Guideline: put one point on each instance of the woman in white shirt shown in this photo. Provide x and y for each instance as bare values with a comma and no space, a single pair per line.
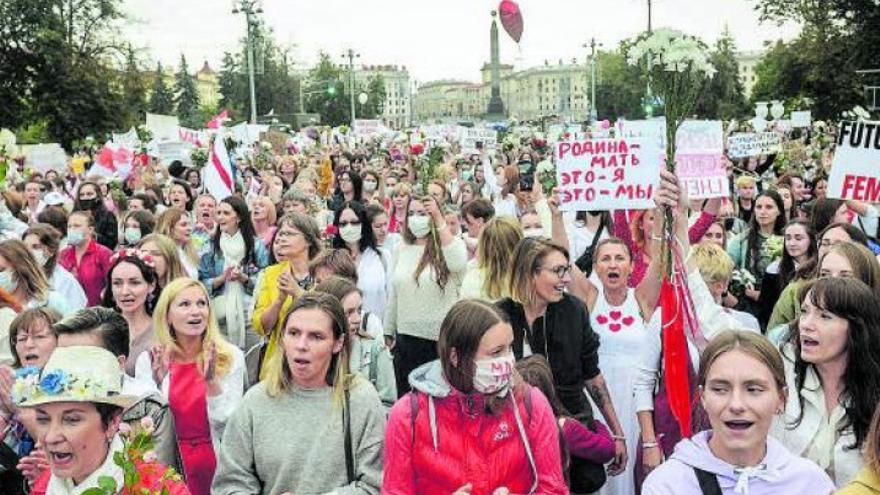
43,241
832,365
354,232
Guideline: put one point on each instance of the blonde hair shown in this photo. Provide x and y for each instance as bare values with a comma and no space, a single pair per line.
495,249
165,225
278,377
165,334
271,214
745,180
526,261
28,273
714,264
872,444
168,250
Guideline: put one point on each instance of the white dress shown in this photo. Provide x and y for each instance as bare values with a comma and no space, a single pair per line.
622,334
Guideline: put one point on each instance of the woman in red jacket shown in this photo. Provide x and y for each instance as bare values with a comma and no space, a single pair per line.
470,425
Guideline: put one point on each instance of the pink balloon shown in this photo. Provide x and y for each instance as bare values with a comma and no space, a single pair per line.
511,19
606,124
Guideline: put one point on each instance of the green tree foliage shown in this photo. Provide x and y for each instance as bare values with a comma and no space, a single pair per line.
619,86
723,98
838,38
375,106
334,106
275,85
62,66
186,97
161,97
134,92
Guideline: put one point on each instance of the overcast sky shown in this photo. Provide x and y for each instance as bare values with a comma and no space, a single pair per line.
434,39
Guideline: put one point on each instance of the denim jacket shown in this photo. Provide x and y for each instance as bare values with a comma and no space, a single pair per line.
212,263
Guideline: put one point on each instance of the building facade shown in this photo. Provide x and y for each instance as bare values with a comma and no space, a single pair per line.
560,90
398,92
747,62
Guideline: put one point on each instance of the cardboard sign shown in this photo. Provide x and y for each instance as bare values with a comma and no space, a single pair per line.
469,138
801,119
743,144
607,174
699,162
367,127
45,157
163,127
698,155
855,172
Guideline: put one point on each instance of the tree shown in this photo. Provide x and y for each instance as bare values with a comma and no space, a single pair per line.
187,97
232,89
161,98
134,92
326,92
375,106
723,98
619,87
838,38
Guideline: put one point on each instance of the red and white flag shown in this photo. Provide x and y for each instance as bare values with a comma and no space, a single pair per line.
218,120
217,173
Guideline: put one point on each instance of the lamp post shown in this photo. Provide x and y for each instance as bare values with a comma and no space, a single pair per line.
594,114
249,8
351,55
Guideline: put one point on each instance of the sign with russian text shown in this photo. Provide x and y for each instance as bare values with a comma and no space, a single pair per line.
469,137
855,172
606,174
801,119
368,127
45,157
745,144
699,162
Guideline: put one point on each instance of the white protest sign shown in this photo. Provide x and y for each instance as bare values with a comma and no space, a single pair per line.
801,119
163,127
745,144
698,159
193,136
128,139
855,172
367,127
469,137
607,174
168,151
698,155
45,157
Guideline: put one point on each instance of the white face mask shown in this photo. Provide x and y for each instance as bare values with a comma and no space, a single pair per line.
493,375
132,235
7,281
419,226
350,233
75,237
533,232
39,256
370,185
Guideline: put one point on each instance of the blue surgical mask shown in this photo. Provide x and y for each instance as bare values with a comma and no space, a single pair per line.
7,281
75,237
132,235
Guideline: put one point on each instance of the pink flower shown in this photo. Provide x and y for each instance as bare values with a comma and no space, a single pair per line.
124,429
150,456
148,424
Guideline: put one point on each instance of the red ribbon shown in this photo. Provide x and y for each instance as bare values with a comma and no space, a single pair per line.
675,356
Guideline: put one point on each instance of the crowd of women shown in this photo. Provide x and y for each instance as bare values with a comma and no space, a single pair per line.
345,324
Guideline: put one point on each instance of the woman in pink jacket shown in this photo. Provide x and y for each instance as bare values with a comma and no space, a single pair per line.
471,426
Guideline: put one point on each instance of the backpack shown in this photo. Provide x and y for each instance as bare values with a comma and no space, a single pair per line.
708,482
585,260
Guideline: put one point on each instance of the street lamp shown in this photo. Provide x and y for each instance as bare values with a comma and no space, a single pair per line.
249,8
594,114
351,55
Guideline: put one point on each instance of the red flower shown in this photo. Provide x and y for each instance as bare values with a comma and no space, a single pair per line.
416,149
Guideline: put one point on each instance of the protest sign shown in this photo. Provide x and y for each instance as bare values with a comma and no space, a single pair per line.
801,119
698,155
128,139
743,144
855,172
469,137
163,127
168,151
45,157
698,159
368,127
606,174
